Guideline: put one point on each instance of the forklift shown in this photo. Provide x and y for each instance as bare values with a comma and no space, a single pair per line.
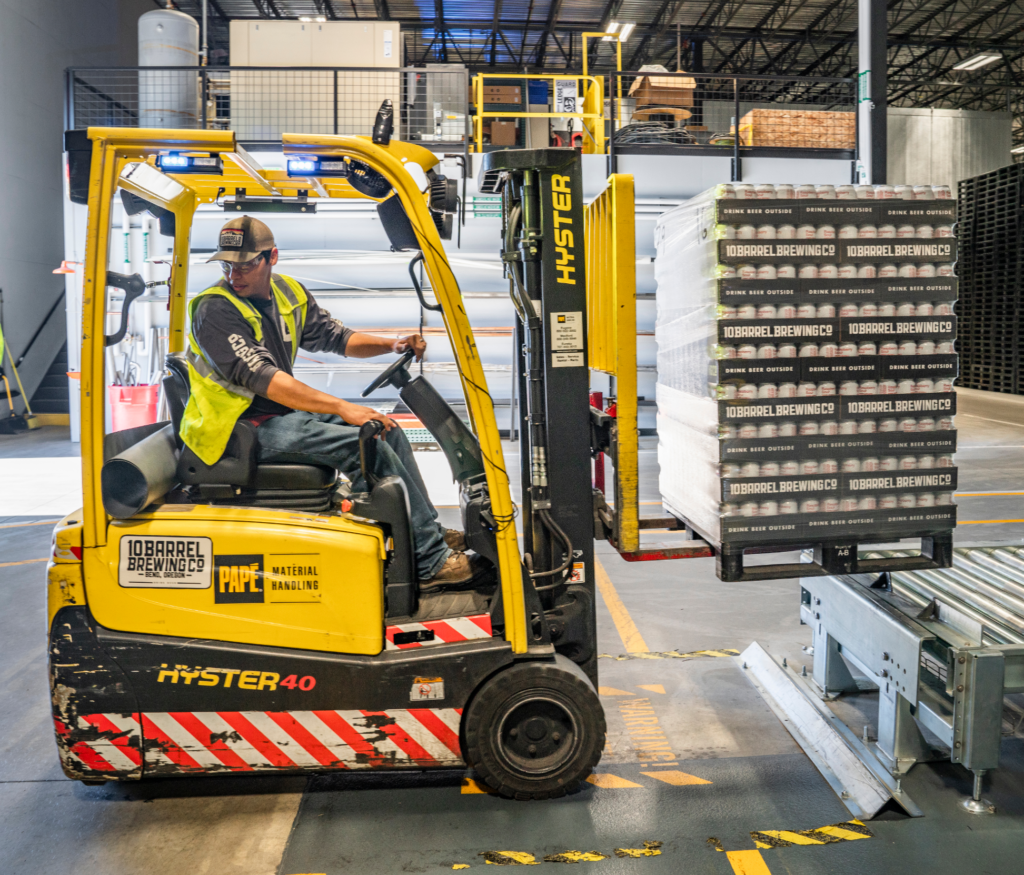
246,617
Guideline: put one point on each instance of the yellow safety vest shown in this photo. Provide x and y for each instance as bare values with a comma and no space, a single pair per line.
214,404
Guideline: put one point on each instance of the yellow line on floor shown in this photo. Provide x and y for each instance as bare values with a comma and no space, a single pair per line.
21,525
748,863
979,494
985,522
23,562
628,632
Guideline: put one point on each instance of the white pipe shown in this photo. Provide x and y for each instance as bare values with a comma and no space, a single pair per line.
204,54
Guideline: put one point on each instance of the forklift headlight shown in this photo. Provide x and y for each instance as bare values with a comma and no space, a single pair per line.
302,167
190,164
317,167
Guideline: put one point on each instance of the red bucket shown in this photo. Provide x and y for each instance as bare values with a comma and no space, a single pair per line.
131,406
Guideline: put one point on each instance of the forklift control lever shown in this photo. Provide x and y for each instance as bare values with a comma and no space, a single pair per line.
133,287
368,450
395,374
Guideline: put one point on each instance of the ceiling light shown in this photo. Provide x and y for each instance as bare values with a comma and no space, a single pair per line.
612,28
978,61
318,18
627,29
1015,151
610,33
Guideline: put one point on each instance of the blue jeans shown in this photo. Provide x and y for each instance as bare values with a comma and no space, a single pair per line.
326,439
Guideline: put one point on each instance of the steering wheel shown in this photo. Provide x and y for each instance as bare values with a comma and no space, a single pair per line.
394,373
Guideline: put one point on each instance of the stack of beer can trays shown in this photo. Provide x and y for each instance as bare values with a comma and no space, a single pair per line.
806,362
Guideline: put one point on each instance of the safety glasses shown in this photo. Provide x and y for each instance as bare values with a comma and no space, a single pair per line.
244,267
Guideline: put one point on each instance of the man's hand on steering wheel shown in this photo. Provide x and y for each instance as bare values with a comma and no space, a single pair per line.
356,414
414,342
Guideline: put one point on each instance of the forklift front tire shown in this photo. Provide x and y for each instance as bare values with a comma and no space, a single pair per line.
535,730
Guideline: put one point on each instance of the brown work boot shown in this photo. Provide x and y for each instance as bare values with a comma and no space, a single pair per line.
457,570
455,540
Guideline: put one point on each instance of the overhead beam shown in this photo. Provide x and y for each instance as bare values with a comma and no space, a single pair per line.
549,26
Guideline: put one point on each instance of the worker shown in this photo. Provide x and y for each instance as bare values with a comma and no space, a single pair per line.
246,331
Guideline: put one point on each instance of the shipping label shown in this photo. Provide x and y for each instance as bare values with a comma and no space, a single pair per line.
153,561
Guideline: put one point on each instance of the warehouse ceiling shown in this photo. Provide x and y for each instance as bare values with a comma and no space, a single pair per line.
927,38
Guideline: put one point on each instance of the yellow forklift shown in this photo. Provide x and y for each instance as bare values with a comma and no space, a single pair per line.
245,617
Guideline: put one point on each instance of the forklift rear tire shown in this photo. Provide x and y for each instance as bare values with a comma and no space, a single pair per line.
535,730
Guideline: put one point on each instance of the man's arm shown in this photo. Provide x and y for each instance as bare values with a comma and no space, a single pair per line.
285,389
364,346
323,333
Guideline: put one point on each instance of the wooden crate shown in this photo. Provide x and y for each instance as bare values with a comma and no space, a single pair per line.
800,129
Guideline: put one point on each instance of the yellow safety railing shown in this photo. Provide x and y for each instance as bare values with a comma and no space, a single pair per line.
611,318
592,116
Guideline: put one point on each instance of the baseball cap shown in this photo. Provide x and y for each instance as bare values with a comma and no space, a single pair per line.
242,239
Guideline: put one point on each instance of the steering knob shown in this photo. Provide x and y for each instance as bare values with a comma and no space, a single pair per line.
395,374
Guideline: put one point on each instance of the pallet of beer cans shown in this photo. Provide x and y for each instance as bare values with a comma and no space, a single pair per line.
806,363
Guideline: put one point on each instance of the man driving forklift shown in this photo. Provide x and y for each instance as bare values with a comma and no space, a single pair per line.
246,332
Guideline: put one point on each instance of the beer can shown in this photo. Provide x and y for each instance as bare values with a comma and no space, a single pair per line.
785,232
787,429
786,350
849,387
765,191
745,191
809,427
866,271
925,232
847,350
924,308
868,502
805,232
785,272
925,271
847,232
768,430
826,311
903,192
784,190
786,311
903,232
746,232
944,423
908,271
747,392
926,423
847,271
748,508
828,466
943,230
851,466
826,192
887,271
808,271
906,308
746,351
765,232
825,232
768,508
746,271
865,192
886,232
725,191
888,502
829,427
908,463
789,468
767,311
726,391
867,232
726,232
907,499
886,308
889,424
726,352
925,347
888,347
867,426
828,350
789,505
806,192
848,310
867,387
830,504
808,350
787,390
808,467
944,461
889,463
867,347
943,499
926,461
769,469
908,347
806,390
868,309
943,308
728,508
942,192
748,430
847,505
810,505
750,469
886,387
885,192
728,470
846,193
766,272
726,271
870,464
746,311
924,386
767,391
725,311
905,387
945,270
848,426
727,432
806,311
908,425
924,193
826,389
943,384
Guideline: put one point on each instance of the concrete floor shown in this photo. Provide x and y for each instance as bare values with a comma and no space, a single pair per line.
737,768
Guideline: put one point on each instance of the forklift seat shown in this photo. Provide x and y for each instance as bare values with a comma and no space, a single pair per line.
238,477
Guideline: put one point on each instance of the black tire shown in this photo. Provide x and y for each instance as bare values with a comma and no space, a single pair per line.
535,730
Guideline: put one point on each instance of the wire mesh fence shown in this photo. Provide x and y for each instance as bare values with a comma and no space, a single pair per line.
261,103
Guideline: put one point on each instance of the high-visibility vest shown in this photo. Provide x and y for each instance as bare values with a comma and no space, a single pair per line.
214,404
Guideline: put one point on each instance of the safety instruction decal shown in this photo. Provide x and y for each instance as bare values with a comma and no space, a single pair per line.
425,689
156,562
567,330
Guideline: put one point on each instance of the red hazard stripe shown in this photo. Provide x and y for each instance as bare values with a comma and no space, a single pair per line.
119,737
169,747
349,734
204,736
393,731
438,728
273,754
92,759
445,632
305,738
483,621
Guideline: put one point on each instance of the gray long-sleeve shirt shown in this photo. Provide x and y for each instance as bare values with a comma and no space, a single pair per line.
229,344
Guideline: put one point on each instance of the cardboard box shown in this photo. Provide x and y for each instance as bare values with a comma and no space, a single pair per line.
503,133
799,129
676,91
498,94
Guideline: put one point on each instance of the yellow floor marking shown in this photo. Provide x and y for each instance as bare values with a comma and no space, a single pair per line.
575,857
23,562
650,849
22,525
844,834
793,838
747,863
607,781
675,778
668,654
612,691
654,688
631,637
509,858
978,494
471,785
460,866
985,522
847,831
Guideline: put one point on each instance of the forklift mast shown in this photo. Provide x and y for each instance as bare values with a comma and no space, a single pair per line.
543,251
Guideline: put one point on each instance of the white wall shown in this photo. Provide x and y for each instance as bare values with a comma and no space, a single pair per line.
38,39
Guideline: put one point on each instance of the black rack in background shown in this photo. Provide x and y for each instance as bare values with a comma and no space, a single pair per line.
991,231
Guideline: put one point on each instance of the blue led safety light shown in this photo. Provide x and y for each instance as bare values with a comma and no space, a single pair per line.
302,167
174,163
318,166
